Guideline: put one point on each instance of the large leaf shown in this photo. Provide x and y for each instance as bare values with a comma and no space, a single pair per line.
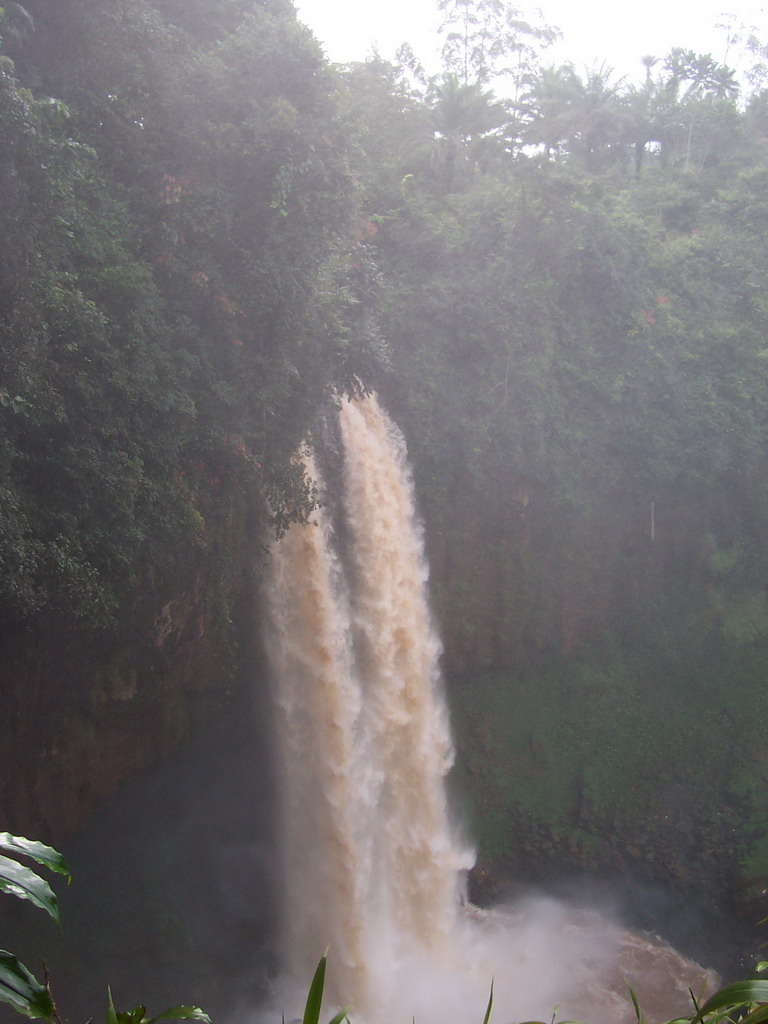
737,994
20,988
138,1016
45,855
182,1013
21,881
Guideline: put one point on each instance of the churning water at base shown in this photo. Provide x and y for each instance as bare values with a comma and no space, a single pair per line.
373,868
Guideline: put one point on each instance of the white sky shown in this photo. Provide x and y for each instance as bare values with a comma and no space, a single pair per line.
595,31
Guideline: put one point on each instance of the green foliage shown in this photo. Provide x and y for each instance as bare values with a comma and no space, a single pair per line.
18,986
20,881
745,620
315,998
742,1000
139,1015
489,1007
608,758
176,201
754,866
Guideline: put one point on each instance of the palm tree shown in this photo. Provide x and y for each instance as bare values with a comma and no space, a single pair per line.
584,118
465,119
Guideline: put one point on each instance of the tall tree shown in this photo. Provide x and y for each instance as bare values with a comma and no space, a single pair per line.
467,122
491,42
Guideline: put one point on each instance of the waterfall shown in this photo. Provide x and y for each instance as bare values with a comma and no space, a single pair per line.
372,865
365,744
406,731
319,703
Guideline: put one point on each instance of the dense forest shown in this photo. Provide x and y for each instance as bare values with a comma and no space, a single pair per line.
557,283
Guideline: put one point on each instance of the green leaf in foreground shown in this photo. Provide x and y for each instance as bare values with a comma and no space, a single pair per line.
138,1016
734,995
339,1017
110,1017
20,988
757,1016
21,881
45,855
135,1016
489,1007
636,1005
182,1013
315,994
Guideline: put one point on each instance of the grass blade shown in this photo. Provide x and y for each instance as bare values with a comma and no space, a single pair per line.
488,1008
635,1004
315,994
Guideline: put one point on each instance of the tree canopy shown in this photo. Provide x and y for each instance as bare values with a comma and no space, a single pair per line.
556,278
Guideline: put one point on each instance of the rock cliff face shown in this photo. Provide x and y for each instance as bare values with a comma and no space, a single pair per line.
505,596
592,686
83,713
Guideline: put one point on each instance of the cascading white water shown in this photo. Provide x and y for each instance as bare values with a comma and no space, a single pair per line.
372,866
406,741
370,859
318,698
